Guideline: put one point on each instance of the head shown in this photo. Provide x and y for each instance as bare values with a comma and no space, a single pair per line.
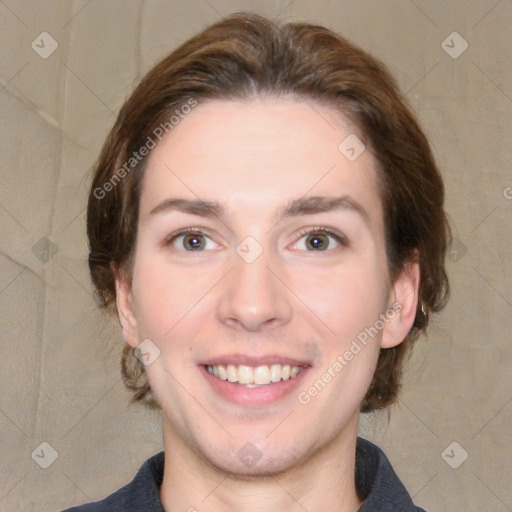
201,114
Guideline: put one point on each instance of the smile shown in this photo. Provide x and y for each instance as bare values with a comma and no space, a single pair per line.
257,385
254,376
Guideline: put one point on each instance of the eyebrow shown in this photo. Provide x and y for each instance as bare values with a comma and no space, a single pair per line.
322,204
294,208
192,206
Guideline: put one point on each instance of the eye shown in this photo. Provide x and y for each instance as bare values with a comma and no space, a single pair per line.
190,240
319,239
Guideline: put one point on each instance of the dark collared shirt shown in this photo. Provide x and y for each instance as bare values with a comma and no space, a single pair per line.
377,484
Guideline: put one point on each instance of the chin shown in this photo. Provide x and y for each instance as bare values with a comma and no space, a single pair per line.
266,467
248,462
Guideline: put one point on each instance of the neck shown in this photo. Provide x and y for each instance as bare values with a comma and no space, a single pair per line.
323,481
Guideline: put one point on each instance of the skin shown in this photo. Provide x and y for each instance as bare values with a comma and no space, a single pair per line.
253,158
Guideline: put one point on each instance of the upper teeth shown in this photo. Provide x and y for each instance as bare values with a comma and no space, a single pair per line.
254,375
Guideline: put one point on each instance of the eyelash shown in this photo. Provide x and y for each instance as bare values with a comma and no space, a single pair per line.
187,231
341,239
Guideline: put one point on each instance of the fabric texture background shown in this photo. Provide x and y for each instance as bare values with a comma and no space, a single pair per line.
68,435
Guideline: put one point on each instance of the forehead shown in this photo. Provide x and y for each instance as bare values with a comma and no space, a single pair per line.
260,154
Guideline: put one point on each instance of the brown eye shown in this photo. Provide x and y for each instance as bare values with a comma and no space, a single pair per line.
190,242
193,242
317,242
320,239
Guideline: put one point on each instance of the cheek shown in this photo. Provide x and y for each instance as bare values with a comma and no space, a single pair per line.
166,296
347,298
158,296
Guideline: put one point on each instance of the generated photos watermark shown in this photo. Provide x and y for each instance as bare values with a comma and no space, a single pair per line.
137,156
357,344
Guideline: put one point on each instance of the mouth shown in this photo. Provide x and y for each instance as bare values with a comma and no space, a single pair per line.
254,384
249,376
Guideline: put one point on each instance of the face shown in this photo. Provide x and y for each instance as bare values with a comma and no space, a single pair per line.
259,263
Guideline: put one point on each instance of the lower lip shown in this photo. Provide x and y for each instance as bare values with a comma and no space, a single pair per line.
253,397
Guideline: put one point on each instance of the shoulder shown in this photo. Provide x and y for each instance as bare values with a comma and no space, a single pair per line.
377,483
142,493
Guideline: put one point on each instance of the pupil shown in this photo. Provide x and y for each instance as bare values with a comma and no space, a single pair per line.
318,242
194,242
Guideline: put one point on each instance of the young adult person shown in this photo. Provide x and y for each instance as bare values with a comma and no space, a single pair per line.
266,219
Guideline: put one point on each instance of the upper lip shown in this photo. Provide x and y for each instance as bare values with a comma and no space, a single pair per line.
243,359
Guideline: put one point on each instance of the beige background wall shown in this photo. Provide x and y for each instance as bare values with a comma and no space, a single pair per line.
59,357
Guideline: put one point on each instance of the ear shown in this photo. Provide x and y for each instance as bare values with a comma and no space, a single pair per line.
124,304
404,302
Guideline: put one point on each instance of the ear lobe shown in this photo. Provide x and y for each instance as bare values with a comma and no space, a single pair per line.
404,302
124,305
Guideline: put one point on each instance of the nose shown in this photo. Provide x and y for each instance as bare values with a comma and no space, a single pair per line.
253,298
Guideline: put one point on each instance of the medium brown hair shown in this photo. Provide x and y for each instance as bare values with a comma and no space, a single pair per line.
244,56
